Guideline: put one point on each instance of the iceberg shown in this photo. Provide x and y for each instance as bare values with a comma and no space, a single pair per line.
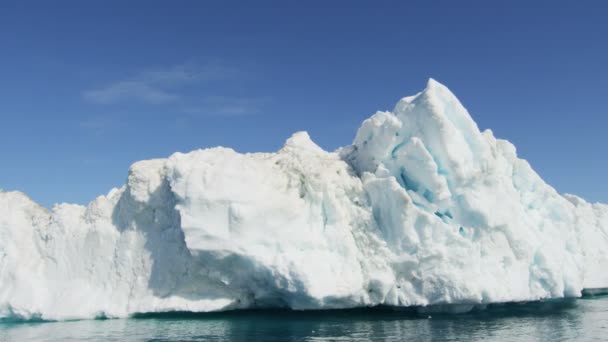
422,209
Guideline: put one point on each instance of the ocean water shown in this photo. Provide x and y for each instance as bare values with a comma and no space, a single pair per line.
567,320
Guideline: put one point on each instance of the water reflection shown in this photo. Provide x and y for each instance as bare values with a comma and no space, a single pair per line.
581,320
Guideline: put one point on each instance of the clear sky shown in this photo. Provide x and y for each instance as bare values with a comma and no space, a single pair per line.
88,87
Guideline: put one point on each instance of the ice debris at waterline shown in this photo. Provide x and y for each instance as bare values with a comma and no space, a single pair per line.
422,209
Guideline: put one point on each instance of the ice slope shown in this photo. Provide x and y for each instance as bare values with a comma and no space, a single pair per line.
422,209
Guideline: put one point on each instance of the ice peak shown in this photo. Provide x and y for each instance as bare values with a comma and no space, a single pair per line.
301,141
440,102
448,134
433,83
435,95
439,93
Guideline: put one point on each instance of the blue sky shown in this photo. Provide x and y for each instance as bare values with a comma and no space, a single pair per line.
88,87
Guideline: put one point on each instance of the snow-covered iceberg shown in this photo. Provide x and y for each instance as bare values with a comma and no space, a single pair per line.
422,209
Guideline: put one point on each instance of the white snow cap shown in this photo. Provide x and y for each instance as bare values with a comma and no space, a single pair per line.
422,209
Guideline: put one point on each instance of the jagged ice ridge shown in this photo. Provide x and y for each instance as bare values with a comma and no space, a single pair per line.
422,209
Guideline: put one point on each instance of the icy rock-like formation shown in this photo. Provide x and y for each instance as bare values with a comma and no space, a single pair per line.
422,209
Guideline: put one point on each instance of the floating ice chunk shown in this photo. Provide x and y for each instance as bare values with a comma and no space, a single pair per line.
422,209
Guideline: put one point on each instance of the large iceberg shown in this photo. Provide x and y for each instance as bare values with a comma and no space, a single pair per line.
422,209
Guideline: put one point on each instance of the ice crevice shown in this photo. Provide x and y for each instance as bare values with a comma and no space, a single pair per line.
422,209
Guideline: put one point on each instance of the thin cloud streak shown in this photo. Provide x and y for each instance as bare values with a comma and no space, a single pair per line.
129,90
101,124
158,86
185,92
227,106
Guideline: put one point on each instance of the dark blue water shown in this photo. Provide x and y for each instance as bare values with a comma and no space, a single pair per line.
574,320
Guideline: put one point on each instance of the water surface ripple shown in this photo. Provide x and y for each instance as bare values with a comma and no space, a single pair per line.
581,320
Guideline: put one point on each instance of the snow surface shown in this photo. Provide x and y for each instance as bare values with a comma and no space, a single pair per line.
422,209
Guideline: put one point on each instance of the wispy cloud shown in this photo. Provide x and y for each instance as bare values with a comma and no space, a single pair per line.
226,106
187,92
158,86
129,90
101,124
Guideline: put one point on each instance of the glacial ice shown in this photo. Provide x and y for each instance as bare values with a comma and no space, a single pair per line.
422,209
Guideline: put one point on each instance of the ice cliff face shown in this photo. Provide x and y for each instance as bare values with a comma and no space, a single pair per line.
422,209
